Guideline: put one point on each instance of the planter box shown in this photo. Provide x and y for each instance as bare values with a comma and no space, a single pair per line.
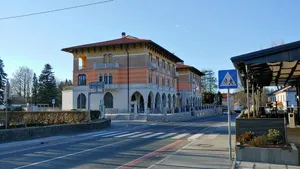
259,126
268,155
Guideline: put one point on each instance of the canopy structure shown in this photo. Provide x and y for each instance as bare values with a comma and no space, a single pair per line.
276,66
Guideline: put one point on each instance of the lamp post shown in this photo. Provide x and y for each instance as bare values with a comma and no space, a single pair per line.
128,103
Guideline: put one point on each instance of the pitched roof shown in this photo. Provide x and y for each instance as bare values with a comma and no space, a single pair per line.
193,69
124,40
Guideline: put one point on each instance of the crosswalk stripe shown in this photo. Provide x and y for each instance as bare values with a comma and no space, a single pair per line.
212,136
167,135
110,135
101,134
129,134
153,135
87,134
195,136
180,136
135,136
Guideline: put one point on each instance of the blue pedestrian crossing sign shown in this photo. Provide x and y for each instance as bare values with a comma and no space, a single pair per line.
228,79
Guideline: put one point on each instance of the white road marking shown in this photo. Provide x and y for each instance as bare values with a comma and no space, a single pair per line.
140,135
167,135
153,135
110,135
212,136
87,134
68,155
195,136
105,133
125,135
180,136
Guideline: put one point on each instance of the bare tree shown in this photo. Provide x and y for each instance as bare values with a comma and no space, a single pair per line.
21,83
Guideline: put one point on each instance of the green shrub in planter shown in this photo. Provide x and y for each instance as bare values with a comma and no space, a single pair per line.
274,137
259,141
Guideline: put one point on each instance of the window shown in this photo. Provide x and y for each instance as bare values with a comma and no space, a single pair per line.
105,79
81,101
108,58
169,83
100,78
157,60
110,79
157,79
169,67
150,77
150,57
163,81
163,64
81,80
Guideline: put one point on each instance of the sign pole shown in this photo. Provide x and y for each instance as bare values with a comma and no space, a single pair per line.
228,80
229,125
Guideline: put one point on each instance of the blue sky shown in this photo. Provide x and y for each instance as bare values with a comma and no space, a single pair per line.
205,34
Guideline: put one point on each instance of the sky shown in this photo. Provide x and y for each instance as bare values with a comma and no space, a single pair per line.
205,34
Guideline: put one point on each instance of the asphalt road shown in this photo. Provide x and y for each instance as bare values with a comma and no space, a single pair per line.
123,145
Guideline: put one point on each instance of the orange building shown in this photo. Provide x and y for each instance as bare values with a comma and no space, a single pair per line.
136,73
188,87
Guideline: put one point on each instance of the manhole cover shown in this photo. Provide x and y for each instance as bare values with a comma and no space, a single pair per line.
204,145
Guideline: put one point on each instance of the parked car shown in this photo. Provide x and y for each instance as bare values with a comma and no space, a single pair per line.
2,107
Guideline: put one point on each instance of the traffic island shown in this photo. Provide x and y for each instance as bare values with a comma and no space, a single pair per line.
270,147
285,155
20,134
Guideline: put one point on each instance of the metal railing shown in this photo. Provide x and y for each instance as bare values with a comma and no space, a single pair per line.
110,86
106,65
152,65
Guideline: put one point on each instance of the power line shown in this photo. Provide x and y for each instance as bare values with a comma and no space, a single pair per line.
55,10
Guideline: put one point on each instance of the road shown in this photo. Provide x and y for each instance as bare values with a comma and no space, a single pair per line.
123,145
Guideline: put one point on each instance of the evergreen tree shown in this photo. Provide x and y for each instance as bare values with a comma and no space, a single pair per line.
3,80
35,85
47,89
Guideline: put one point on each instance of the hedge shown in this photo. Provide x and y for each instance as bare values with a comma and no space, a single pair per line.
16,118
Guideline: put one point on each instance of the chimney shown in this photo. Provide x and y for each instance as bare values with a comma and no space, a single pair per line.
123,34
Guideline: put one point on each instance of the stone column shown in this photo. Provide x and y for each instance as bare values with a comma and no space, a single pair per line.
153,107
145,108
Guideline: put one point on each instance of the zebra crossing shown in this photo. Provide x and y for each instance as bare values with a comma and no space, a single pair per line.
150,134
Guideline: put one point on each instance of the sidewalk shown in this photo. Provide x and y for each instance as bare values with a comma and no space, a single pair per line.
203,153
251,165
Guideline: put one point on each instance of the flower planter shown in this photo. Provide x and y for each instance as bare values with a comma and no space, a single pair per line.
268,155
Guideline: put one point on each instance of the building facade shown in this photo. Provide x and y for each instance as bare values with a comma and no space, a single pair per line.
137,74
287,97
188,87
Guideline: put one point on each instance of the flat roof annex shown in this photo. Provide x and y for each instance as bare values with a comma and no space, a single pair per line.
276,66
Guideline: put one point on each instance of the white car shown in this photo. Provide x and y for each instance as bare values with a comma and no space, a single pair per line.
2,107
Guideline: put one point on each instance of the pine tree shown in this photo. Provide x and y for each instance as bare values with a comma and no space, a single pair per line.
35,86
3,80
47,89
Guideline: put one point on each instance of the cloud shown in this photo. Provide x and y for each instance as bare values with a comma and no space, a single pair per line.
177,26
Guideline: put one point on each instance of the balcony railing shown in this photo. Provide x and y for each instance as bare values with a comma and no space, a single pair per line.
110,86
153,66
175,74
106,65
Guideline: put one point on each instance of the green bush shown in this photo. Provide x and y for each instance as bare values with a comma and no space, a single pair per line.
27,119
259,141
274,137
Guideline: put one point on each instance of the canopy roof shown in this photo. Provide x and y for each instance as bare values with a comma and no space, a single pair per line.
276,66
